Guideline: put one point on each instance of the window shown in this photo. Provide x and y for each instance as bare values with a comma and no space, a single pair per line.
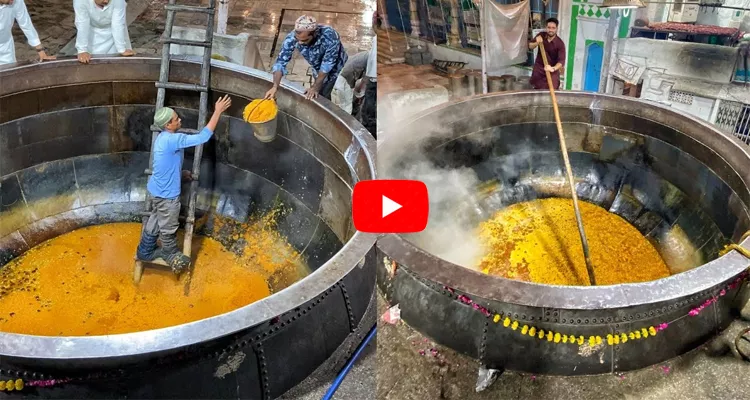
734,118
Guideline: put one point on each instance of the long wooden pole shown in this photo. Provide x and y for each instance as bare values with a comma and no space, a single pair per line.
568,170
483,42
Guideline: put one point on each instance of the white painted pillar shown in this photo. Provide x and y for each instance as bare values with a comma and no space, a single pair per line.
383,15
609,44
714,111
414,18
223,16
454,37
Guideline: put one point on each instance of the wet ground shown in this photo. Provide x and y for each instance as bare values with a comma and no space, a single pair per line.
404,373
54,21
399,77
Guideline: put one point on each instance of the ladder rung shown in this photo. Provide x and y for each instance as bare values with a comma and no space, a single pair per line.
184,42
148,171
186,131
181,86
174,7
181,218
156,261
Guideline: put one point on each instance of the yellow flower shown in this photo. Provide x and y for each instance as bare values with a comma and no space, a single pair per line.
514,326
592,341
2,385
565,338
617,339
557,337
506,322
496,319
9,385
609,340
637,334
580,340
623,338
631,335
524,329
644,332
532,331
652,331
19,384
598,340
541,334
549,336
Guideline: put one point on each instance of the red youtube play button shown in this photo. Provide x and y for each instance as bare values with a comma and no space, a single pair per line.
390,206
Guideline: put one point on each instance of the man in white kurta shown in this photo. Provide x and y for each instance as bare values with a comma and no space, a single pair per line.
11,11
102,28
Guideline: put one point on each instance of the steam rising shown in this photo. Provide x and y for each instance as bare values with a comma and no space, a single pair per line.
451,232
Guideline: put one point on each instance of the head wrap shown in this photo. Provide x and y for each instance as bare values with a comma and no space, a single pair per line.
163,116
306,23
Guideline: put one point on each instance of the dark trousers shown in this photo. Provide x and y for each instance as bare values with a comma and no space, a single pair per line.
368,112
327,88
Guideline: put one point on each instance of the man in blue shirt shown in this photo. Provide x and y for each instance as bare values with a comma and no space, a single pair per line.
164,185
321,46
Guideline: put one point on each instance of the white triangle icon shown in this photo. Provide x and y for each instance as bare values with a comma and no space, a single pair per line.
389,206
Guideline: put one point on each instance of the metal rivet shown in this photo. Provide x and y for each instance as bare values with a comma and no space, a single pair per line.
587,321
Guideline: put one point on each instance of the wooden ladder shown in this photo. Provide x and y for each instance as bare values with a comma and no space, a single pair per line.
203,87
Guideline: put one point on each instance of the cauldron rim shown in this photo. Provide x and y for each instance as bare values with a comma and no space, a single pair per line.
138,344
488,287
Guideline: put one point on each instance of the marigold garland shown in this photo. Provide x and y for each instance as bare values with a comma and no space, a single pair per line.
11,385
594,340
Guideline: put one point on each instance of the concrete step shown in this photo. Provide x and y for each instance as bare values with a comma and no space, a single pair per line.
390,58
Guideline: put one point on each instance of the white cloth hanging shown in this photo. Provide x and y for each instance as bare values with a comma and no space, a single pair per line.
10,13
101,30
505,29
372,60
342,94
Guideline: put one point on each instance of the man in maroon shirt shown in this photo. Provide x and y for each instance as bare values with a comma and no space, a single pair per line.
555,49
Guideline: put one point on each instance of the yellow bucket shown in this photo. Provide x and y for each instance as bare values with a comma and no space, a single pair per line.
261,114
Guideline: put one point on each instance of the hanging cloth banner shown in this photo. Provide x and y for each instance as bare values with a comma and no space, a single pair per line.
505,30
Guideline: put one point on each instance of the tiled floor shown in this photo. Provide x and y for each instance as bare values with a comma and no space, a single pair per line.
53,20
399,77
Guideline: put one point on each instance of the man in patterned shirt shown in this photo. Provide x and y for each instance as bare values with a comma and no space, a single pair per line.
321,46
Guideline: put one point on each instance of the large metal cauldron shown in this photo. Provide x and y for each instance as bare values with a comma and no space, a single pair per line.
680,181
74,143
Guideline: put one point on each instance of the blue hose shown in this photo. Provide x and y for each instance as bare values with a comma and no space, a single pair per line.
340,377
